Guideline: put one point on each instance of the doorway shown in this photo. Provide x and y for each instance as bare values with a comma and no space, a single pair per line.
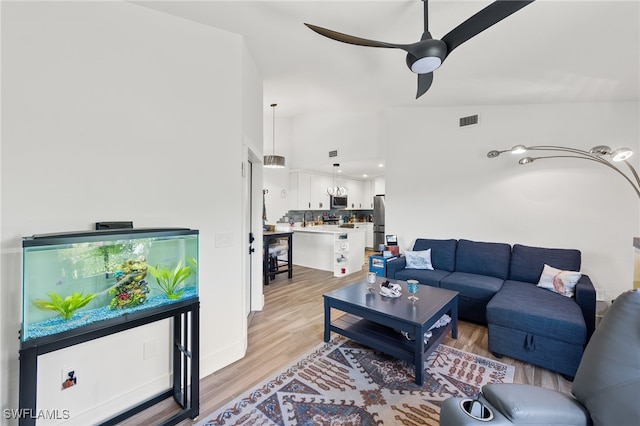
253,299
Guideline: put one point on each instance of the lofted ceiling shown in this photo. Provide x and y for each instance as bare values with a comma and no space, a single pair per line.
550,51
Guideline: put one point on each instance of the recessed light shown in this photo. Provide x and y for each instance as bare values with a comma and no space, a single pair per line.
380,165
364,175
339,171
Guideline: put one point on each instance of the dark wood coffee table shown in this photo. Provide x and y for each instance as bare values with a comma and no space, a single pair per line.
373,320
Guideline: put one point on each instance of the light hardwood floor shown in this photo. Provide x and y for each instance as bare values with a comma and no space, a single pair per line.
290,325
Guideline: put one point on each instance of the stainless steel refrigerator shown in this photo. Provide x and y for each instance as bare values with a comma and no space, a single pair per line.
378,221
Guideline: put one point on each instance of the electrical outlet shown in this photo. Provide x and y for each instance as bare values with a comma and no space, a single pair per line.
601,294
69,378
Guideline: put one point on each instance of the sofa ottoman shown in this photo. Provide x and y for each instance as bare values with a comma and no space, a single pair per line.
552,335
537,325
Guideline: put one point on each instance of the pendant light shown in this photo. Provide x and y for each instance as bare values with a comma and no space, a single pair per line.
274,161
336,191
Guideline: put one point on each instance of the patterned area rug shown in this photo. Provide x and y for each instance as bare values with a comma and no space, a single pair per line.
345,383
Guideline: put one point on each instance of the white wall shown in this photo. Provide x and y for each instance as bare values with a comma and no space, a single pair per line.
440,183
252,153
109,111
276,180
355,135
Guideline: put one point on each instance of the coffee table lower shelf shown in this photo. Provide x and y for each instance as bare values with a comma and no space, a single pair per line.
386,339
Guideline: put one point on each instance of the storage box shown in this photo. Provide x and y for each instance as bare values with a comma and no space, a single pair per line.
394,250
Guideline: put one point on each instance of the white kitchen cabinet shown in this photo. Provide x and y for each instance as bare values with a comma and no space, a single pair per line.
319,197
367,195
379,186
358,199
367,227
299,191
354,191
308,191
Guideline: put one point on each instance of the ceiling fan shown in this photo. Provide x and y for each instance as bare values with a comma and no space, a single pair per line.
426,55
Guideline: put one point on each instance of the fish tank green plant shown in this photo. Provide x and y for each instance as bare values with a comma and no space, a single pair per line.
171,279
103,274
64,307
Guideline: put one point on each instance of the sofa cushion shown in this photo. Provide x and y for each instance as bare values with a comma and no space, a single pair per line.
443,252
491,259
418,259
527,262
424,276
561,282
480,287
531,309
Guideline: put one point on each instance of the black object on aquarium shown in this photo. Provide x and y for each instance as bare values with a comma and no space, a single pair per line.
114,225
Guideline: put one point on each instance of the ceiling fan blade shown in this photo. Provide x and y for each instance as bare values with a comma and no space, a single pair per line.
482,20
424,82
345,38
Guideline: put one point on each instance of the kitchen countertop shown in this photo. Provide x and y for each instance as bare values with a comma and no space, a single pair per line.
327,229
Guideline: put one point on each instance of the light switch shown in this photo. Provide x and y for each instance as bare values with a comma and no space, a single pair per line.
224,239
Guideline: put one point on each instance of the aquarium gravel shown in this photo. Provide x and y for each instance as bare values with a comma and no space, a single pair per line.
82,318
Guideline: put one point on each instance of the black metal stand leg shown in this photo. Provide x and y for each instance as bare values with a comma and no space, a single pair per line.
195,362
177,357
28,385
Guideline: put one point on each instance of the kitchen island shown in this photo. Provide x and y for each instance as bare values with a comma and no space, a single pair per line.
329,248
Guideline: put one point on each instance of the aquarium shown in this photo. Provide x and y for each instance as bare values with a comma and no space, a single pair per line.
71,281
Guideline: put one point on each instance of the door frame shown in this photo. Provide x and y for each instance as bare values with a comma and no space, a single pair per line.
253,299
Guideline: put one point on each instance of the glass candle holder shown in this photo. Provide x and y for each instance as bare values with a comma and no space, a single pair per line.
371,279
412,288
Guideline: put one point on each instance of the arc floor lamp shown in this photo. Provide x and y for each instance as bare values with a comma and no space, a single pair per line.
596,154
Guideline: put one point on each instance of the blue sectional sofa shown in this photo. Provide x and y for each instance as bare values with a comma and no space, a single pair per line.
496,283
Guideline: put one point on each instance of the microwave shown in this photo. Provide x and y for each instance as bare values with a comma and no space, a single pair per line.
338,202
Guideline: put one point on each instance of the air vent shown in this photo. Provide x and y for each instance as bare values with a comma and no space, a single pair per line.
333,153
469,120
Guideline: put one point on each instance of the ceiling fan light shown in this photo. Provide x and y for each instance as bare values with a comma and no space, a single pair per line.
621,154
426,55
426,65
